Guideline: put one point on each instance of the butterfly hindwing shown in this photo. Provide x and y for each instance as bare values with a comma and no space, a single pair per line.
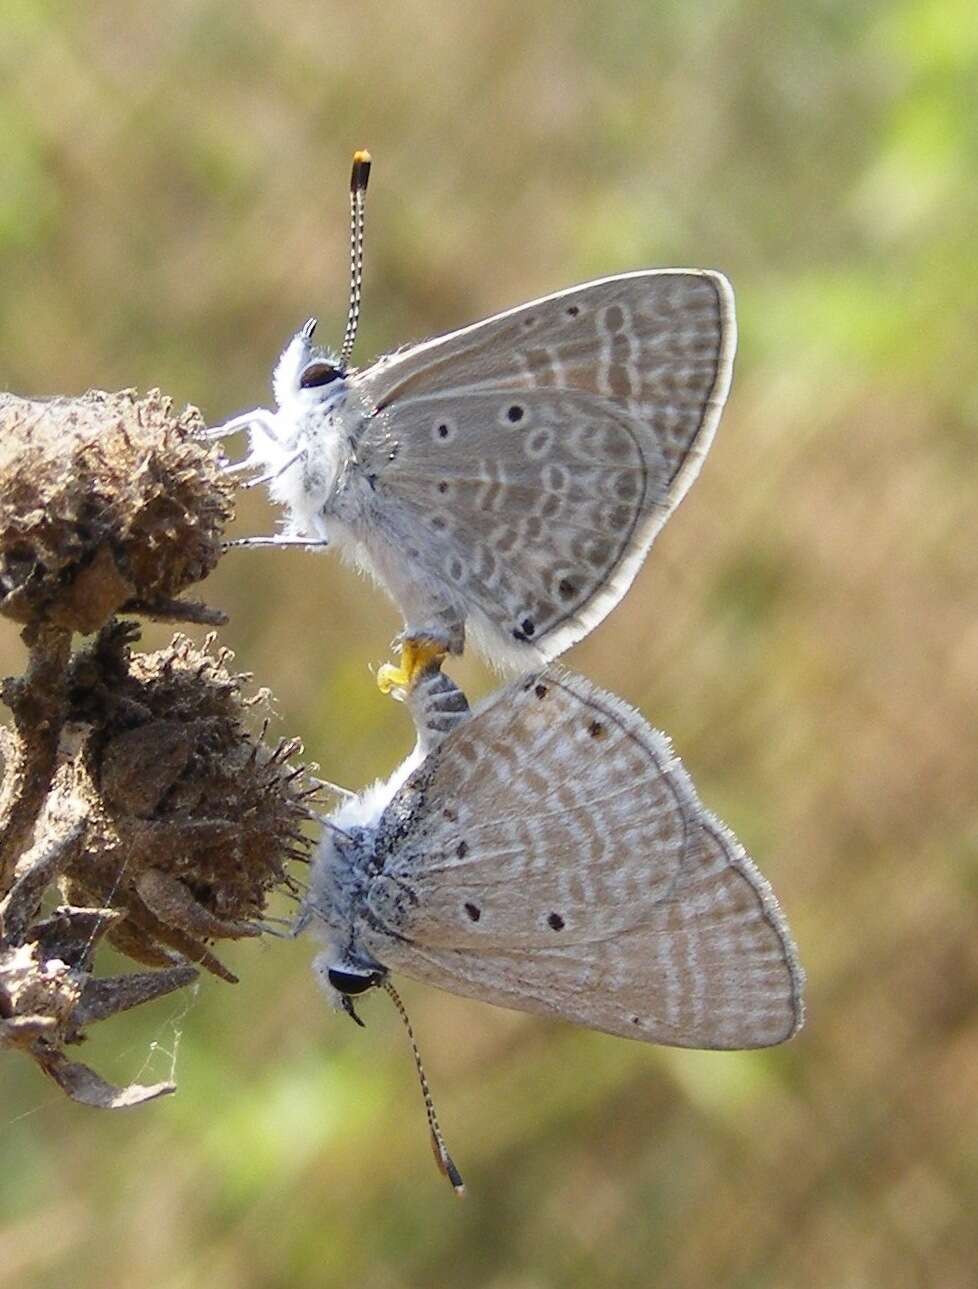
539,452
551,855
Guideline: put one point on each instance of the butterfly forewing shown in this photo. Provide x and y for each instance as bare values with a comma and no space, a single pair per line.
541,450
552,856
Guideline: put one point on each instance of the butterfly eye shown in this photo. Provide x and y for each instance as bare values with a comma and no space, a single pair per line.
348,982
319,373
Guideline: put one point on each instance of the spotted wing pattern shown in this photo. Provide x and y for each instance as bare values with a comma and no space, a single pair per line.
551,855
539,452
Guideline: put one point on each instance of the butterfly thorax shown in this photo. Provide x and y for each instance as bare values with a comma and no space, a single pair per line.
306,460
335,906
341,873
348,865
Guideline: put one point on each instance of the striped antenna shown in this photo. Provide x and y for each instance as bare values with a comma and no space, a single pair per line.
443,1159
358,194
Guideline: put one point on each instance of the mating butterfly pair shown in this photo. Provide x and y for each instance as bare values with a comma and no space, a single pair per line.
504,482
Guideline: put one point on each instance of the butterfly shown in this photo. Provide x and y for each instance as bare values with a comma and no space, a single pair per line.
503,482
548,852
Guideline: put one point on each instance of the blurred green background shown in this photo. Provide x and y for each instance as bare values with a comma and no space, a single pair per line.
172,206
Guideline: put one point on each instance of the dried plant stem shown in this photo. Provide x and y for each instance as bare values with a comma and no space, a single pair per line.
40,866
37,701
171,610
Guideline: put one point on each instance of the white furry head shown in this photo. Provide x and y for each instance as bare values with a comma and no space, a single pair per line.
299,449
306,376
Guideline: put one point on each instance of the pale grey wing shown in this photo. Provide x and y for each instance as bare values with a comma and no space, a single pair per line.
552,856
540,451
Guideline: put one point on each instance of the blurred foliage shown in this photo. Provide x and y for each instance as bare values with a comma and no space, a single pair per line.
172,206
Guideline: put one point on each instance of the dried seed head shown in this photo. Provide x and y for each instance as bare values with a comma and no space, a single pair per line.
105,500
193,819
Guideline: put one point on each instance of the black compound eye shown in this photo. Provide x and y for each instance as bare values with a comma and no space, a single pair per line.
348,982
319,373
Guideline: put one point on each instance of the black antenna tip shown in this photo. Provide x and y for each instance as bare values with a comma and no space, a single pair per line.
454,1176
360,174
446,1164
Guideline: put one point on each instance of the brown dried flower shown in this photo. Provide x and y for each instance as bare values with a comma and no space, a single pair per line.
191,818
107,502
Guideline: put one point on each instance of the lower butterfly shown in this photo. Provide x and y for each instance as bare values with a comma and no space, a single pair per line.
548,852
503,482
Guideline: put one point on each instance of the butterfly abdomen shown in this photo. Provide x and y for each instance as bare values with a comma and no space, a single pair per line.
437,706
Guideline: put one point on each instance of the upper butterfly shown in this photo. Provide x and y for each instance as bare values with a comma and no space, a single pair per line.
504,481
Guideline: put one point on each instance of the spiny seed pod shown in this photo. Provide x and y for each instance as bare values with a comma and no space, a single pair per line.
107,501
191,819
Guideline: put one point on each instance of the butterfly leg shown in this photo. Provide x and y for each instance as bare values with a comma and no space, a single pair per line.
264,478
260,419
275,539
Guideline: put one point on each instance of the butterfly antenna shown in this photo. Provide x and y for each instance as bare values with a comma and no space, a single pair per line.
358,196
443,1159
